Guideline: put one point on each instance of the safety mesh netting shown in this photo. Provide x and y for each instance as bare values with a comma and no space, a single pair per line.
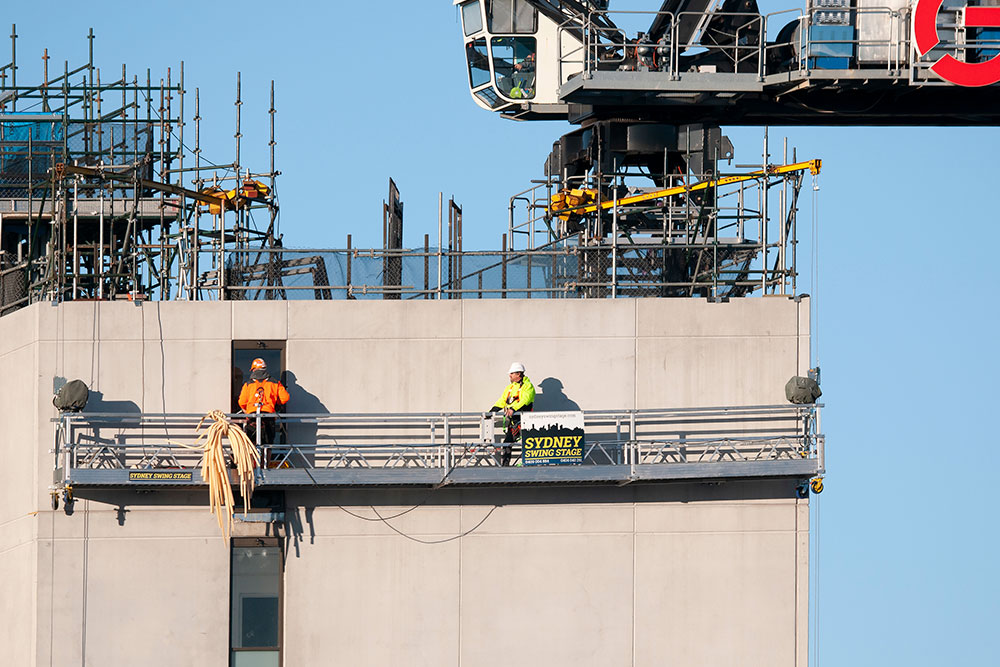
566,271
28,149
363,275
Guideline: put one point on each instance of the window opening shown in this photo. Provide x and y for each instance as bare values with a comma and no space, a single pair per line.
514,16
244,352
472,18
514,64
479,62
255,603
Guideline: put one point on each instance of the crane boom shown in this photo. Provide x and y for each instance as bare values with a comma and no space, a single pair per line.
558,203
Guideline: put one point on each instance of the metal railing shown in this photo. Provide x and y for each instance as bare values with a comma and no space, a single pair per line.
739,246
443,442
881,39
719,246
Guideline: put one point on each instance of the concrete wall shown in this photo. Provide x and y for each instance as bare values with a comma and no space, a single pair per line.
20,447
432,356
148,573
686,574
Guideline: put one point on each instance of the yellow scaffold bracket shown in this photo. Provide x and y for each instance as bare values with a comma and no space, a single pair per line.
237,198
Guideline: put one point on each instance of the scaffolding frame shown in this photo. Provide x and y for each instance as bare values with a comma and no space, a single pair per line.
93,198
105,194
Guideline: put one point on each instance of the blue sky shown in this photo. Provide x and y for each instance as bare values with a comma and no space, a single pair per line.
906,293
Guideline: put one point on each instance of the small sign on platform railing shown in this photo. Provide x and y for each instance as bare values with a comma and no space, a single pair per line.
160,476
552,438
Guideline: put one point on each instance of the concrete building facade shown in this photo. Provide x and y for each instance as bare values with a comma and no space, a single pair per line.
687,572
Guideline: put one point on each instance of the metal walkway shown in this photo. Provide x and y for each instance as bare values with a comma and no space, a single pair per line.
357,450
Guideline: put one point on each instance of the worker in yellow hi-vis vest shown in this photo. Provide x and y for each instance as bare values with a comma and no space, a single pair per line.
518,397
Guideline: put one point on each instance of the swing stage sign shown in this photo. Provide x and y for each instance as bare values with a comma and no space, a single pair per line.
552,438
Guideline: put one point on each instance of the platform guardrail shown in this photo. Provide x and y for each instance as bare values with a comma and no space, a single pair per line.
118,449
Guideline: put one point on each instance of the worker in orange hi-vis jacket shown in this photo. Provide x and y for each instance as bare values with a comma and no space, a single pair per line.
262,394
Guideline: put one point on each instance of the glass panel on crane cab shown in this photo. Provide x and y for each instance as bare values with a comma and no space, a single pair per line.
514,65
511,16
490,97
479,62
472,18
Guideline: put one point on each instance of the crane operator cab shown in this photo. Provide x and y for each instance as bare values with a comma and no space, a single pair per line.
505,41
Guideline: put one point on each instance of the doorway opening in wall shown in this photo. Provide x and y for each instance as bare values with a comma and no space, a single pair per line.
256,604
244,352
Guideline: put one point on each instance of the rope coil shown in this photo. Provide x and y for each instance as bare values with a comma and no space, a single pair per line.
215,471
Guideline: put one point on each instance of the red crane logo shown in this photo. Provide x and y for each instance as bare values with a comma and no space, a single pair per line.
948,67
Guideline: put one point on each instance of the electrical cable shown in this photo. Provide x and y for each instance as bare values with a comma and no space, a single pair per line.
385,520
381,518
447,539
840,111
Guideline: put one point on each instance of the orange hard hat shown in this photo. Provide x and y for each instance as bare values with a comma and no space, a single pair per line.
258,365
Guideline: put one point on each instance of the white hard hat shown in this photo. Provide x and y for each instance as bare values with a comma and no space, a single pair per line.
516,367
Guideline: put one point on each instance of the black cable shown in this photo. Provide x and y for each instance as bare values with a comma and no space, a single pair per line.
447,539
381,518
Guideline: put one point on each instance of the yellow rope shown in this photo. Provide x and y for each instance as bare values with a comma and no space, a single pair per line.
215,471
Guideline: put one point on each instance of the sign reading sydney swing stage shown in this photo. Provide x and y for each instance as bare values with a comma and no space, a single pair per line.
552,438
160,476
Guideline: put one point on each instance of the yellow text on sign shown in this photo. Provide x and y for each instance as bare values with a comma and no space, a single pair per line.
549,442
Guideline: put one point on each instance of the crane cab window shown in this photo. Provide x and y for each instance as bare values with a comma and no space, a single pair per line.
490,97
511,16
479,62
472,18
514,65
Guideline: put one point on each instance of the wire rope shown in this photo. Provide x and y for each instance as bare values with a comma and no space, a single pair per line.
815,591
814,306
814,262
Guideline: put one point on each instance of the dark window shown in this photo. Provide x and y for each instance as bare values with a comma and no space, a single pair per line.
255,603
513,16
244,352
479,62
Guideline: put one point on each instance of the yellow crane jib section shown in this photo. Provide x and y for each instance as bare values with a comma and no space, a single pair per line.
568,203
237,198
